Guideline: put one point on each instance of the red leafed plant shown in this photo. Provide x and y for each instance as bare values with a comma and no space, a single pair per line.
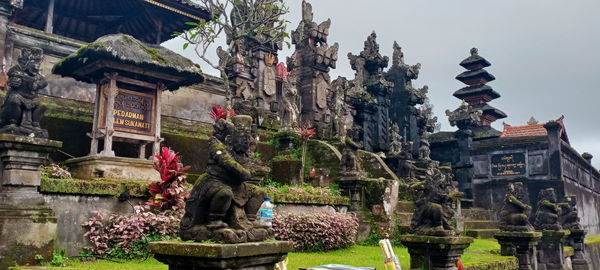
169,193
220,113
307,133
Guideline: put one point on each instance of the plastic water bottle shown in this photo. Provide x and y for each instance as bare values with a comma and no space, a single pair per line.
265,213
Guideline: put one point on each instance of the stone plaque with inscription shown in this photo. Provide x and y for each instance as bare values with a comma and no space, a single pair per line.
508,164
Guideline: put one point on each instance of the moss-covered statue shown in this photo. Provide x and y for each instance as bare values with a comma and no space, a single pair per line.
434,198
21,110
514,215
350,163
546,214
223,206
569,219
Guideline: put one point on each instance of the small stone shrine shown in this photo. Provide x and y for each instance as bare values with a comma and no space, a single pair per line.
223,208
24,147
516,236
130,78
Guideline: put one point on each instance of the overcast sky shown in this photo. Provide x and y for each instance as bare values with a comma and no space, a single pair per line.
545,55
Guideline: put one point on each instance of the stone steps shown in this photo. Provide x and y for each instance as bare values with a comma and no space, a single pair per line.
481,233
481,224
477,214
405,207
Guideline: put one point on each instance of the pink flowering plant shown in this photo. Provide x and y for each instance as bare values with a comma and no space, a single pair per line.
126,236
316,231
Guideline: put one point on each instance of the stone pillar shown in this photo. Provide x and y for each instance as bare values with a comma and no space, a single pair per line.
463,169
7,9
580,260
27,227
435,252
196,256
521,245
550,250
554,145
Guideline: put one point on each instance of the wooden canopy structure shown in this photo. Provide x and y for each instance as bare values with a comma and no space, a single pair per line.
130,78
150,21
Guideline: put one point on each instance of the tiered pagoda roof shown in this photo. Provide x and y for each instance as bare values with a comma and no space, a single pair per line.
477,94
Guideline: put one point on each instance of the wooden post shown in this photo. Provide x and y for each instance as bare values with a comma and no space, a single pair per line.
110,92
160,87
142,154
50,17
97,105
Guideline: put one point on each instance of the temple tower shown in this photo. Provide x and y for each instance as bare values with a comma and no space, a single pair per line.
309,67
477,94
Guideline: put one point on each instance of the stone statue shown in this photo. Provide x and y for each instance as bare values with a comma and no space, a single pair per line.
291,112
569,219
351,165
395,141
223,206
434,198
338,105
21,111
424,151
407,170
546,214
514,215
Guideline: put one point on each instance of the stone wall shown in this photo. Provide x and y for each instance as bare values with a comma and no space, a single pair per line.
593,253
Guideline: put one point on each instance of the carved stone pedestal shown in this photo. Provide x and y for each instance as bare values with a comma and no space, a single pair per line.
352,187
90,167
434,252
580,260
195,256
550,250
521,245
27,226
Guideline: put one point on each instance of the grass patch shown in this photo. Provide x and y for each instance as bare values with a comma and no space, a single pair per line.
480,252
592,239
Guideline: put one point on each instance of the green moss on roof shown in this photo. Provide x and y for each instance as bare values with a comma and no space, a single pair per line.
125,49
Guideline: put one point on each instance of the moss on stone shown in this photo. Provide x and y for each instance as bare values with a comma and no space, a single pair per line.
97,187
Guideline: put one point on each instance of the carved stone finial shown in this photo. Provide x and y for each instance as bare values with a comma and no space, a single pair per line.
21,111
398,55
474,51
532,121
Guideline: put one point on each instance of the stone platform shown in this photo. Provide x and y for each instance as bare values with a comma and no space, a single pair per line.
90,167
27,226
434,252
521,245
194,256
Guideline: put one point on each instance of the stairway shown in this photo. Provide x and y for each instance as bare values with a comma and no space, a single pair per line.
404,213
479,223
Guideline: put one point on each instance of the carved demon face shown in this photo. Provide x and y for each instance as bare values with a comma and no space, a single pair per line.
242,139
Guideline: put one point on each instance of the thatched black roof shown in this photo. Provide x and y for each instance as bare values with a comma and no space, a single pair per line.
87,20
129,52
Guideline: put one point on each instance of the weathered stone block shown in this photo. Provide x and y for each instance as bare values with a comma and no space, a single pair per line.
521,245
287,172
90,167
256,256
24,233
